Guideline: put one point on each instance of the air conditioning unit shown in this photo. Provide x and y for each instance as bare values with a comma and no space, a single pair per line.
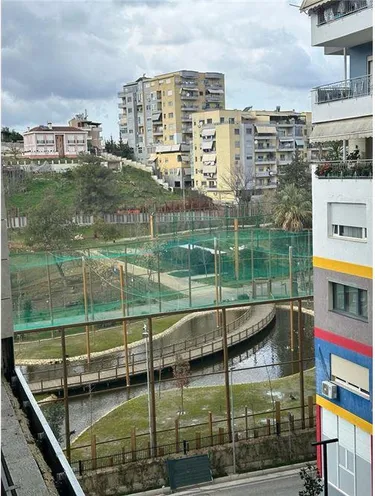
329,390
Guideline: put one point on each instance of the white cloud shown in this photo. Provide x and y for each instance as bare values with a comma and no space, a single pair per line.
61,57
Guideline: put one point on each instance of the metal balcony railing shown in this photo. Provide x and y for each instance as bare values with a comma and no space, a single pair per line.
337,10
342,90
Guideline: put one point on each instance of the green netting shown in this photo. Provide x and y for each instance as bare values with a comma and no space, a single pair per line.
192,269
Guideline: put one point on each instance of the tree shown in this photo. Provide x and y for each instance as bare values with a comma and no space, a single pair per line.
181,374
54,414
239,182
293,210
124,150
107,231
312,481
297,172
97,188
50,227
10,136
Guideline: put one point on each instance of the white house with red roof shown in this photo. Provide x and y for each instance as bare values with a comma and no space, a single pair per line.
54,142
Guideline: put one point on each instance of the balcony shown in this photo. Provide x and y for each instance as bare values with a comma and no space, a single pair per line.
122,105
214,98
288,146
342,24
348,169
266,147
343,100
187,129
189,106
189,96
157,131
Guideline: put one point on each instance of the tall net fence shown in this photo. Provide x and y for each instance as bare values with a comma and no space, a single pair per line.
191,268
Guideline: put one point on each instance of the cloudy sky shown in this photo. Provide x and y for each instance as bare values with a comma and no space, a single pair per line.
61,57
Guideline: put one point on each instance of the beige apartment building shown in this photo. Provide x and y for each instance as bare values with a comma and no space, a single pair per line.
94,129
156,113
248,146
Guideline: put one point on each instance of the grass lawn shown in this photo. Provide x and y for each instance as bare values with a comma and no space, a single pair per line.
100,340
197,403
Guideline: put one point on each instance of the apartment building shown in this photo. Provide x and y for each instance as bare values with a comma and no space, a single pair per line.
50,141
158,111
245,146
343,246
94,129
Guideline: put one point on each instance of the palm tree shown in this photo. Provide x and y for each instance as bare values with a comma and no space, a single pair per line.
292,211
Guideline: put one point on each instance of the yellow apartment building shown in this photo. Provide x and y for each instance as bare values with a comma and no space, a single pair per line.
242,149
158,112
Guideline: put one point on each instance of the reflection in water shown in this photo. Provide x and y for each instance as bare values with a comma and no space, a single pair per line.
270,347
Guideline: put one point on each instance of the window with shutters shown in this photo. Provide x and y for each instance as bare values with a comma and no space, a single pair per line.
347,221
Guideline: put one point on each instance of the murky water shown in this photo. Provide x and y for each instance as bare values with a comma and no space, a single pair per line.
270,347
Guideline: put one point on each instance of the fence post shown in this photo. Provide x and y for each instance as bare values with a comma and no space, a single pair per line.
93,451
210,428
197,440
221,435
310,402
133,444
236,260
148,449
246,424
268,427
176,425
291,422
278,417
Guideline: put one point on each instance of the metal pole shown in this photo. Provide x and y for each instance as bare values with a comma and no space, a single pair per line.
91,289
145,333
236,260
325,469
87,328
300,353
66,395
233,432
226,372
159,285
252,265
152,388
189,270
49,291
216,282
291,295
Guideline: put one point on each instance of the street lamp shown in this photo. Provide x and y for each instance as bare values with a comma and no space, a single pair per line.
232,415
145,335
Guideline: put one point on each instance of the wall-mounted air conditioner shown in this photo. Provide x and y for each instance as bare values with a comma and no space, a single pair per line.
329,390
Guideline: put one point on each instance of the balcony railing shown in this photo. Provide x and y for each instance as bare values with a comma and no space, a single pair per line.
342,90
341,9
345,169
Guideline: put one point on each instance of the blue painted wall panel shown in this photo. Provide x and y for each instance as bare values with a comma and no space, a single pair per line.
358,59
346,399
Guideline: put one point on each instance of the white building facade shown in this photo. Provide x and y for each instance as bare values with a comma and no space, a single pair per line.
343,245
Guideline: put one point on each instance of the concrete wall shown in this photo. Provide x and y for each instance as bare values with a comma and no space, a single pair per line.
341,191
326,319
358,59
256,454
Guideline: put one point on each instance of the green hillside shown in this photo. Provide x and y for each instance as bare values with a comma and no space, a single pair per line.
137,188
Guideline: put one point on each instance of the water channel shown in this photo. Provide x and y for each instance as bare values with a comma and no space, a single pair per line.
248,359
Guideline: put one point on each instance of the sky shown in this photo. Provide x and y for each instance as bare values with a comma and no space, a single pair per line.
62,57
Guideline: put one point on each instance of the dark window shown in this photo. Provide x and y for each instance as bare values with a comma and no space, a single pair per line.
349,300
231,120
209,121
222,119
236,131
248,130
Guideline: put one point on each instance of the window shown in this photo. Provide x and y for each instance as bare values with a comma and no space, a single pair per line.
196,159
349,300
164,116
237,157
201,93
349,231
231,120
171,137
249,157
170,115
222,120
167,81
248,130
350,375
170,104
282,156
237,144
130,131
161,81
347,220
130,110
209,121
171,127
211,184
236,131
129,98
169,92
204,183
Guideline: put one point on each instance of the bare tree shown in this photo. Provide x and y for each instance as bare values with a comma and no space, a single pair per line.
239,182
181,374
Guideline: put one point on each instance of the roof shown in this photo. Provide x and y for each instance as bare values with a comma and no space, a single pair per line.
56,128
